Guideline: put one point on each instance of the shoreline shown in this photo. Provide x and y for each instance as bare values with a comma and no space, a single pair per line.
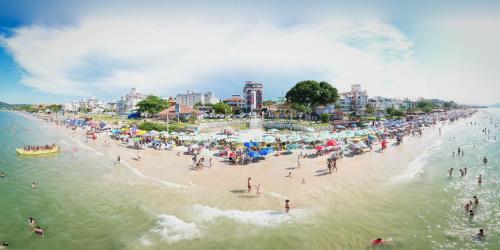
167,169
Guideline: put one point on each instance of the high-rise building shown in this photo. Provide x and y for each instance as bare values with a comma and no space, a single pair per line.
191,98
354,100
253,93
128,103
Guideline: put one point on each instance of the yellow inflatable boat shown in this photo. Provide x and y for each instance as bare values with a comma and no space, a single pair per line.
38,152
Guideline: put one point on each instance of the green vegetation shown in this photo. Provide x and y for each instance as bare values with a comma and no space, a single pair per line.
395,112
370,109
268,103
426,106
222,108
152,105
161,126
307,95
325,118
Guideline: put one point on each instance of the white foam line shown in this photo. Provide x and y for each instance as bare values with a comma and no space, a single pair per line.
165,183
416,166
264,218
170,229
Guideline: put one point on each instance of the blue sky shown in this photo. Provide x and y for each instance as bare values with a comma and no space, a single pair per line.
55,51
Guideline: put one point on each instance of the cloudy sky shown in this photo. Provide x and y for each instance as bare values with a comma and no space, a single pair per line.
54,51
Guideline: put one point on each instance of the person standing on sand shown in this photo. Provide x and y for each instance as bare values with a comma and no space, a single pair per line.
257,188
118,159
334,162
298,161
287,206
289,174
249,184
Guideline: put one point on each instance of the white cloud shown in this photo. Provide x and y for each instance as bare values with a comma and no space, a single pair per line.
168,55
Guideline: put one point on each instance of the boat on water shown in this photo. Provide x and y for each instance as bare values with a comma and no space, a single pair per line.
21,151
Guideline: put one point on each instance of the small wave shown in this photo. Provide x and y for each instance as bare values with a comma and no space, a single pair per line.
64,142
265,218
165,183
171,229
416,166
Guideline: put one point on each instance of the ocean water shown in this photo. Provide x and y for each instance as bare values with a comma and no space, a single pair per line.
83,201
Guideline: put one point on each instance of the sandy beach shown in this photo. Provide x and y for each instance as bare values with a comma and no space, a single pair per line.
173,171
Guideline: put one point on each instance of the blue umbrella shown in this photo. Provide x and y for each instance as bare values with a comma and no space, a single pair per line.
253,154
247,144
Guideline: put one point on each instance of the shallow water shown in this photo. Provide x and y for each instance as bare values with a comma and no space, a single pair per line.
84,201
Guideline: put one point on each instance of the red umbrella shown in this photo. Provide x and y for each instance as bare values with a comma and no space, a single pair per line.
319,148
331,143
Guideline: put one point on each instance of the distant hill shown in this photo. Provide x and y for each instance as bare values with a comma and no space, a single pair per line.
4,105
494,106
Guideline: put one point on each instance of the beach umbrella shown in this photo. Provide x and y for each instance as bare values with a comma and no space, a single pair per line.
361,145
331,143
319,147
253,154
372,137
248,144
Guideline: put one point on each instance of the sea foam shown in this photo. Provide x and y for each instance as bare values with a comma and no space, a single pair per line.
170,229
264,218
416,166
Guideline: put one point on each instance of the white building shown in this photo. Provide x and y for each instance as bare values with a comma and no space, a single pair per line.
191,98
354,100
381,104
128,103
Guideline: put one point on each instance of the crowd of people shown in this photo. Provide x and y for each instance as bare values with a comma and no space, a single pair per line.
39,148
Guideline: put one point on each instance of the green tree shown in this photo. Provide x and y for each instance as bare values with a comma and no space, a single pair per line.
311,94
222,108
55,107
325,118
426,106
301,108
370,109
152,105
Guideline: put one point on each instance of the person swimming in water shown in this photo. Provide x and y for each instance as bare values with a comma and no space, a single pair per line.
480,179
471,213
480,234
467,207
38,230
33,185
2,174
476,200
450,171
378,242
287,206
31,221
485,160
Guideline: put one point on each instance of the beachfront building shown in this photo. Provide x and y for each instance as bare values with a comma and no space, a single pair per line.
236,102
71,106
354,100
179,111
128,103
90,105
253,94
191,98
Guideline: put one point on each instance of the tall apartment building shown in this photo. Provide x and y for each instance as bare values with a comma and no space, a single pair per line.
354,100
191,98
253,95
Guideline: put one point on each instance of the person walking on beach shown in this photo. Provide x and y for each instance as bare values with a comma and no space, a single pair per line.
479,180
118,159
334,163
257,188
298,161
289,174
450,171
287,206
249,184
